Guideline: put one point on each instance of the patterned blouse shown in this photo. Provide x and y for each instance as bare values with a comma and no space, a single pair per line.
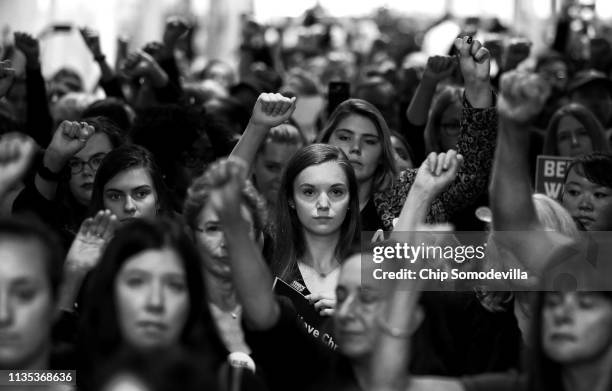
477,145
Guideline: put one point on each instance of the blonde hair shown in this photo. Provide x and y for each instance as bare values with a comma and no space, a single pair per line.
553,216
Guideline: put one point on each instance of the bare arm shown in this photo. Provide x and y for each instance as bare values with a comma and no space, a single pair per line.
69,138
522,97
269,111
251,276
403,314
438,68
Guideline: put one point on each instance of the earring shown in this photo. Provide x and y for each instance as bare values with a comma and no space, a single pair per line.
291,205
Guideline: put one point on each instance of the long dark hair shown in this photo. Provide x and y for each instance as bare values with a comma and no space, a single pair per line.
289,243
386,171
99,336
544,374
128,157
583,115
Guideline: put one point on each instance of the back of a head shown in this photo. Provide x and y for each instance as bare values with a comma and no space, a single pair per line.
554,216
113,109
382,94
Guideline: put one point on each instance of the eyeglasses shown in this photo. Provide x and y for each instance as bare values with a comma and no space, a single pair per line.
77,165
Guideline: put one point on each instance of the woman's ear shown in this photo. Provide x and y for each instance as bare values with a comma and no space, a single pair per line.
291,204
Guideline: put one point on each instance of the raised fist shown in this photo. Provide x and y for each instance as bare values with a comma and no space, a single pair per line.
439,67
16,153
69,138
176,27
28,45
155,49
474,60
522,96
438,171
227,178
92,40
272,110
138,64
517,50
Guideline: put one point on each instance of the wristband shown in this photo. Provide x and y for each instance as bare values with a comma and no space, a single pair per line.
47,174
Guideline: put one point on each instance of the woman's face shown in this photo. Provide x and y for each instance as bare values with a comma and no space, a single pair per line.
321,198
450,127
401,155
152,299
84,164
27,307
577,326
269,165
212,243
572,138
131,194
556,74
358,137
357,308
588,202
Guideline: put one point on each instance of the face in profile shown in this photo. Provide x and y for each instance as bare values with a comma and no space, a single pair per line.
26,304
572,138
84,164
152,299
358,138
588,202
321,198
268,169
131,194
212,243
577,327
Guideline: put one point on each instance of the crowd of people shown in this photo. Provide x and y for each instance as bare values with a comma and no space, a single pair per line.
148,239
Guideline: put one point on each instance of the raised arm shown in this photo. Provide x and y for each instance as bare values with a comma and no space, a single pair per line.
437,69
434,176
476,144
84,253
403,314
251,276
69,138
39,123
108,78
270,110
522,97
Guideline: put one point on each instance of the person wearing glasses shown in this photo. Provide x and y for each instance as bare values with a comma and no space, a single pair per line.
61,189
